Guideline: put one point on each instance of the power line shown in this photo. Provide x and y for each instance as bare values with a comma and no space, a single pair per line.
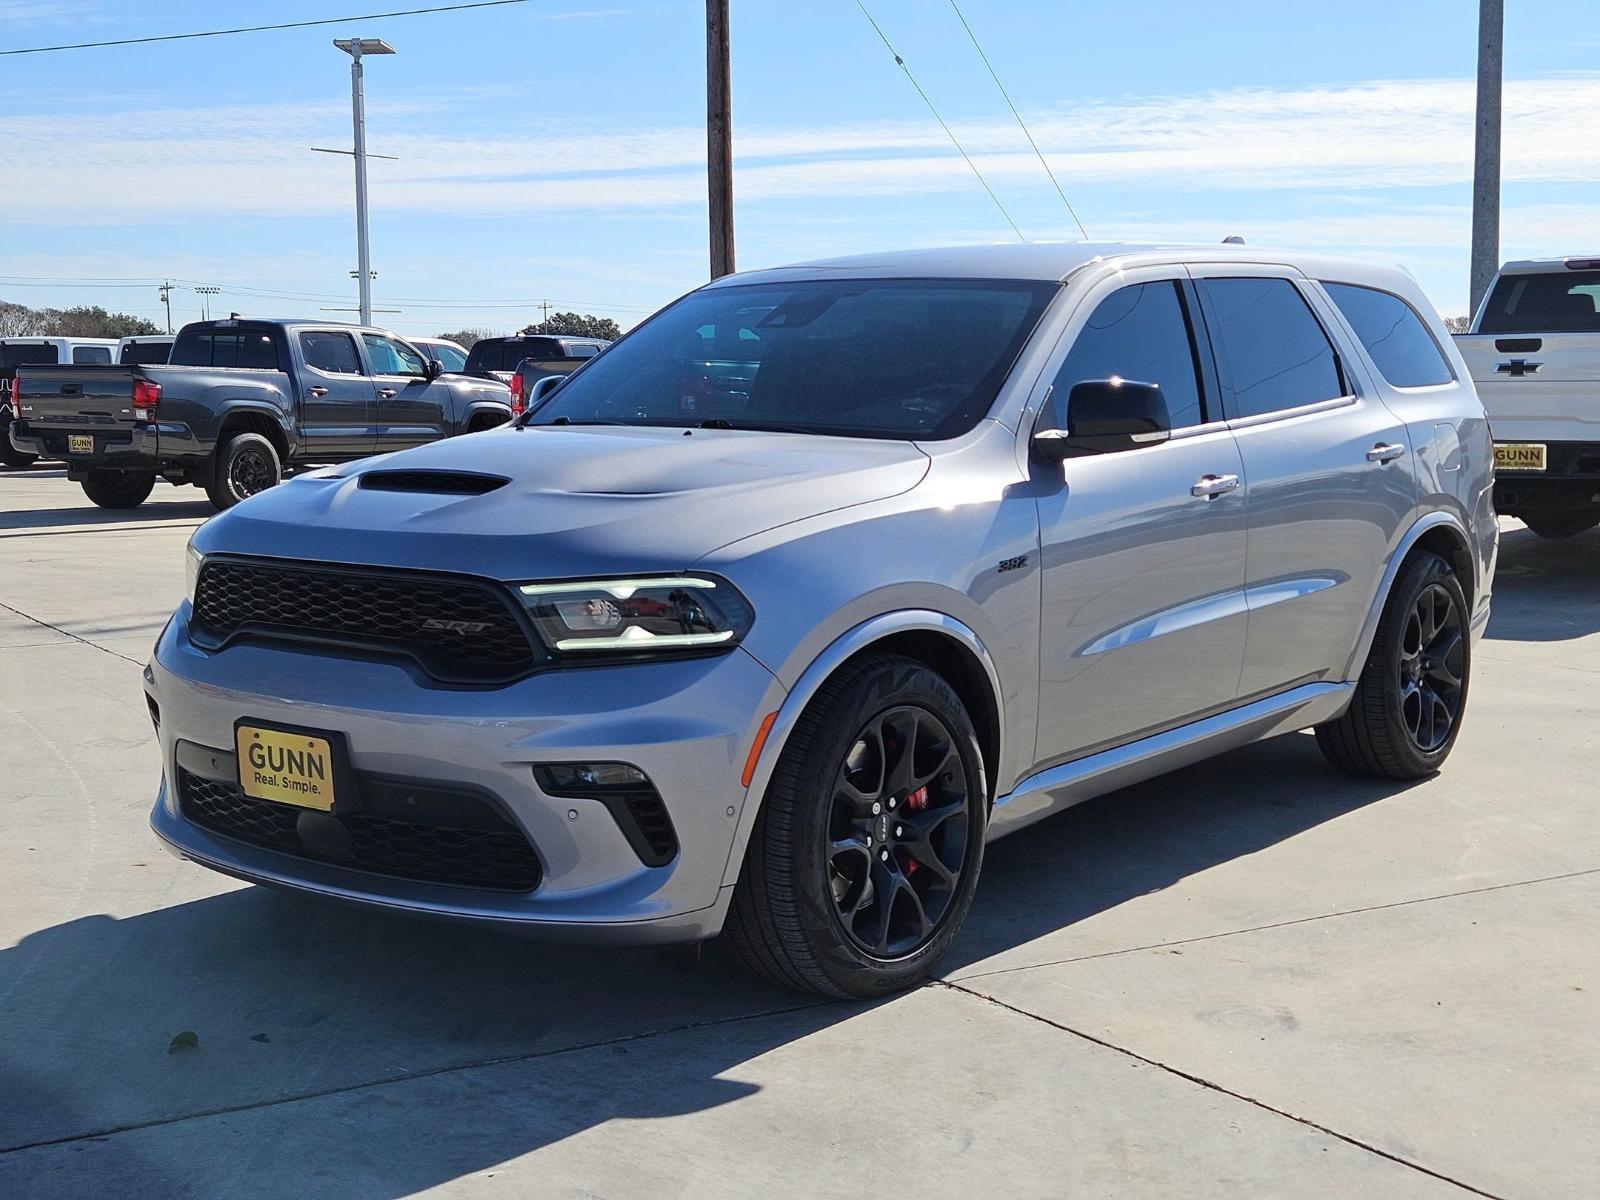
901,63
995,76
210,33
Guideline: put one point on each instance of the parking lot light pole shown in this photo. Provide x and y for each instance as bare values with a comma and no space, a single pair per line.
355,48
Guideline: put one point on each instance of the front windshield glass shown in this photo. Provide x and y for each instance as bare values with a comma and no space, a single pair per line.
862,358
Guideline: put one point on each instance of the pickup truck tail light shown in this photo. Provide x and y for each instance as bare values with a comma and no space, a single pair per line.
146,399
518,400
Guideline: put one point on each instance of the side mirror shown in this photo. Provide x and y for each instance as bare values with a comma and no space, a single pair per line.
542,388
433,368
1105,416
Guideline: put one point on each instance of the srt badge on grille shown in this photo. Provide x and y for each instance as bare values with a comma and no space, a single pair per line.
434,623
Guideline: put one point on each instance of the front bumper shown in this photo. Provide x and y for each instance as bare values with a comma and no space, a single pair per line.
688,724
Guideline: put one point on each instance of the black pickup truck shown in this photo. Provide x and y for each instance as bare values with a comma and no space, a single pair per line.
238,403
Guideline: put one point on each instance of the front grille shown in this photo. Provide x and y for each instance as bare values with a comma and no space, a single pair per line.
497,857
459,630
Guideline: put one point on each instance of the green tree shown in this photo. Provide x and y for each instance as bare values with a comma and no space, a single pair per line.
87,320
577,325
465,337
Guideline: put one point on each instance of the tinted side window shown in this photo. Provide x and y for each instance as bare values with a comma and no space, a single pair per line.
145,354
1400,344
1140,333
1277,353
91,355
331,352
207,347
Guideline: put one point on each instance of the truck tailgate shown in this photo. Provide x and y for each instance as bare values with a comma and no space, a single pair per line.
76,399
1537,387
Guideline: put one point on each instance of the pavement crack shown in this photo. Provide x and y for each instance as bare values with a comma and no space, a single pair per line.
1210,1085
1227,933
387,1081
68,634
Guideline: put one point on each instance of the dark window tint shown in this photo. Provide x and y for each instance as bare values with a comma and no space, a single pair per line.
24,355
1277,354
145,354
864,358
91,355
1140,334
208,346
331,352
1564,302
1393,334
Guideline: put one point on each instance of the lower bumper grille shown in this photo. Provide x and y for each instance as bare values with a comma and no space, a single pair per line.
498,858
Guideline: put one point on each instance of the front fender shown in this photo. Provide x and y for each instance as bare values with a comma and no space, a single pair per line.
847,645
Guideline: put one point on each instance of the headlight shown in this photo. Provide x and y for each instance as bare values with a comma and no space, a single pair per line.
192,567
633,616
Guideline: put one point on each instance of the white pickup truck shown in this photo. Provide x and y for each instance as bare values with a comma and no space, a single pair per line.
1534,354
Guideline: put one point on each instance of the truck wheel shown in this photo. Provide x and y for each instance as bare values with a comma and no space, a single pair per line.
118,489
1553,525
1412,693
864,857
245,464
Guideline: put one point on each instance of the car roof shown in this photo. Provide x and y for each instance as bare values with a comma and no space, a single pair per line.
1055,262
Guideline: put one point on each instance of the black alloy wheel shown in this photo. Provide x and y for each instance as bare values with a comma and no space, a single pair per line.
1431,667
866,852
250,472
1406,711
246,465
897,832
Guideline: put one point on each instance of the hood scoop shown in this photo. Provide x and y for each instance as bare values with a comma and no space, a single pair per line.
442,483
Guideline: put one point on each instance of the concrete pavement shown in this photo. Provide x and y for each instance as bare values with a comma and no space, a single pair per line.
1255,977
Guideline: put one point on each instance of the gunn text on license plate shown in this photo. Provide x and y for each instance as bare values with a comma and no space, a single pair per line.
80,443
289,768
1519,456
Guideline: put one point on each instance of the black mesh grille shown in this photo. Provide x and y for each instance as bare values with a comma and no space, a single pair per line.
498,858
457,629
654,825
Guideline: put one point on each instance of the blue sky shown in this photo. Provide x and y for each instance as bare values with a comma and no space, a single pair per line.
555,149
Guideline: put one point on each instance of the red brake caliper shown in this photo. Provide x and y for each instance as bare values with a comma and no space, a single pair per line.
917,801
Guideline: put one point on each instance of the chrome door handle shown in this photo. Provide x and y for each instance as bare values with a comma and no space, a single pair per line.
1385,452
316,391
386,393
1212,486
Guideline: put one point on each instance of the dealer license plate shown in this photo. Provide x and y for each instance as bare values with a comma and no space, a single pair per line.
80,443
289,768
1519,456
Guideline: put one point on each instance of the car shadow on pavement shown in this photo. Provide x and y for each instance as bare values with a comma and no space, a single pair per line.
1545,591
55,519
356,1054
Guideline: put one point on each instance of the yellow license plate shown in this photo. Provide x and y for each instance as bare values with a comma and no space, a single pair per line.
290,768
80,443
1519,456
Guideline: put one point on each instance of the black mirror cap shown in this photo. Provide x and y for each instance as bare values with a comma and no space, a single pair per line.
434,368
1105,416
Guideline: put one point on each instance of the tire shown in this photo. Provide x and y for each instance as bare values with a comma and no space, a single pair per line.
9,454
1562,524
245,465
807,911
1412,693
118,489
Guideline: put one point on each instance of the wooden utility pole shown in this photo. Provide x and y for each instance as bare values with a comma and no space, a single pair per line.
1486,161
719,138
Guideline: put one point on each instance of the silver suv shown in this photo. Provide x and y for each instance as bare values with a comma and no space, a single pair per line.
966,537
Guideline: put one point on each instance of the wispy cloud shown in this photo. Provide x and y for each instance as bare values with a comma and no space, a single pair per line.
1368,136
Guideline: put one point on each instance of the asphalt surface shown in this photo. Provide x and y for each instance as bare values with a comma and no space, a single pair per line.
1255,977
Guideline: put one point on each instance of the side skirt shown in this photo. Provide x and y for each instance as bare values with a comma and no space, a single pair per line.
1060,787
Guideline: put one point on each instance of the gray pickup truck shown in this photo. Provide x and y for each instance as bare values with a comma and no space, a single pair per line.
240,402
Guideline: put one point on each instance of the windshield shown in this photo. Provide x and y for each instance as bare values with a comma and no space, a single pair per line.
1552,302
451,356
863,358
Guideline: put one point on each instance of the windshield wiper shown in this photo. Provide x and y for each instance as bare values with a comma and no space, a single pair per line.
754,426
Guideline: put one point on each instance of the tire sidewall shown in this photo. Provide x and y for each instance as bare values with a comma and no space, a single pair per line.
894,684
1426,571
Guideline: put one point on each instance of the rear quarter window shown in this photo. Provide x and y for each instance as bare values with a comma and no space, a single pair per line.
1394,335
